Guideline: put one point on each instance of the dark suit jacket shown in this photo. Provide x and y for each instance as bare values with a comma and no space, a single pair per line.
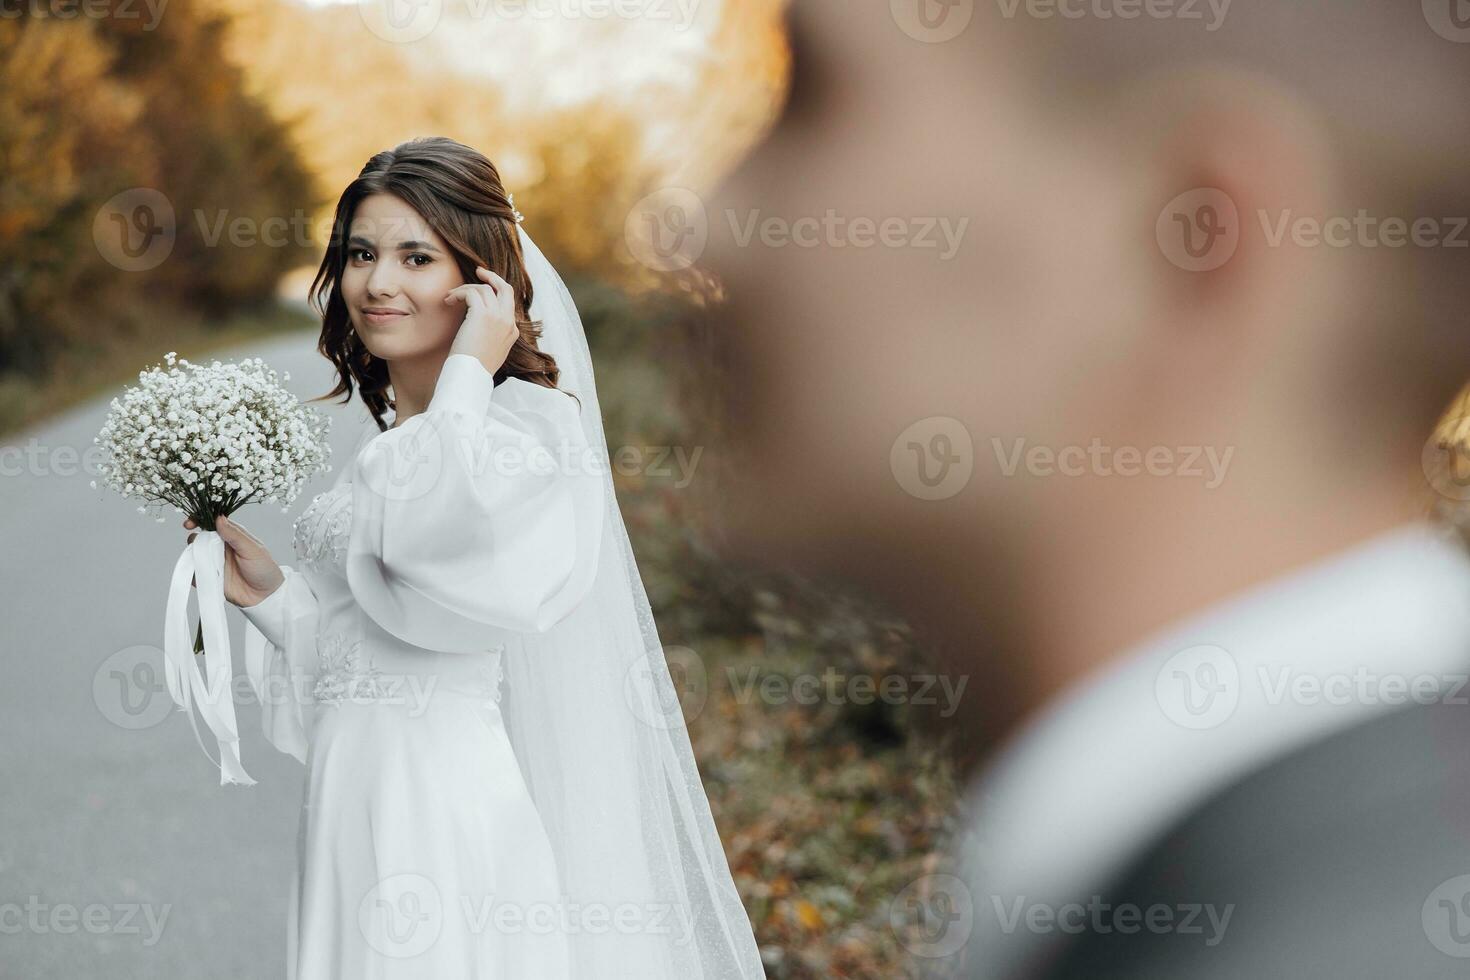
1349,858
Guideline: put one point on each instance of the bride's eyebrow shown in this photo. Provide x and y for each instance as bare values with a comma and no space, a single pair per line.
407,246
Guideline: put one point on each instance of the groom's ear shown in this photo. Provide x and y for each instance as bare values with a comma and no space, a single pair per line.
1218,163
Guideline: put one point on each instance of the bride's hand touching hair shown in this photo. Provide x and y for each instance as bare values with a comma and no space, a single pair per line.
251,573
489,329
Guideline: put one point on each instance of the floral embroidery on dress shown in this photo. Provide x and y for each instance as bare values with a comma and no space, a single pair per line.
343,675
320,534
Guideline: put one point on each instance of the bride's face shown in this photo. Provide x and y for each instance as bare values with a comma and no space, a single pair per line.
397,273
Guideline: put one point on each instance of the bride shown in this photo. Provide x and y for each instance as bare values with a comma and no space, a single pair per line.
499,780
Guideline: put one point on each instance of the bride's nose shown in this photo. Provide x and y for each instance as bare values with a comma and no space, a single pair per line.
381,282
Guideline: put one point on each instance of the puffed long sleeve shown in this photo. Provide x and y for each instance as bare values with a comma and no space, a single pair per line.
482,514
281,661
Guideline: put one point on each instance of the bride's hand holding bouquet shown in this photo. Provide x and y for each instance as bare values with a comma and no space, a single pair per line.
207,440
251,573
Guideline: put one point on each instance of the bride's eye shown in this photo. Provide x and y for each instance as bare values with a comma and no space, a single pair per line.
420,255
353,253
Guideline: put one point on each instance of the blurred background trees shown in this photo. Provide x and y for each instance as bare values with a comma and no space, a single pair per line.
245,116
94,107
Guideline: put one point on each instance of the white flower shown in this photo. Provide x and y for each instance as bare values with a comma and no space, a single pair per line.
207,439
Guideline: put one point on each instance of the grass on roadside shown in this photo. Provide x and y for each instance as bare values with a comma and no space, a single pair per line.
139,340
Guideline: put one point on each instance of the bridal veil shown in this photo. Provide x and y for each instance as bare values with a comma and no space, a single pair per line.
597,727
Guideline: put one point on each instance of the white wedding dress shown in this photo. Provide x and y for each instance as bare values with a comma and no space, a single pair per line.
420,851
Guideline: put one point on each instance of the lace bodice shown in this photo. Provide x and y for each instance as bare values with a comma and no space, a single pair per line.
321,531
346,672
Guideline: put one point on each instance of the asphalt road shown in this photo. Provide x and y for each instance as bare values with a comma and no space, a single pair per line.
120,854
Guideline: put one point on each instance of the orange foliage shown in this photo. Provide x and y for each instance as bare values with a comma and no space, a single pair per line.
576,170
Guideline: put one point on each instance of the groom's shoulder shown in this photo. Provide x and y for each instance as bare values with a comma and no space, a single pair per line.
1349,857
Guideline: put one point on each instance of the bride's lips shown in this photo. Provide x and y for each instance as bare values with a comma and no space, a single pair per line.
381,314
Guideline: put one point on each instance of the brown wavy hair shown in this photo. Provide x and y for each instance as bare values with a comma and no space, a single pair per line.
458,192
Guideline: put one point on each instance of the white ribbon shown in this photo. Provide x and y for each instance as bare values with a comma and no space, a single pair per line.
204,561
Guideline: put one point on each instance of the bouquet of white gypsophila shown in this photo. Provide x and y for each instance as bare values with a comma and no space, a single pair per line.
208,440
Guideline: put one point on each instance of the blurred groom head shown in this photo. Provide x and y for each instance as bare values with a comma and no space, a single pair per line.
1101,311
